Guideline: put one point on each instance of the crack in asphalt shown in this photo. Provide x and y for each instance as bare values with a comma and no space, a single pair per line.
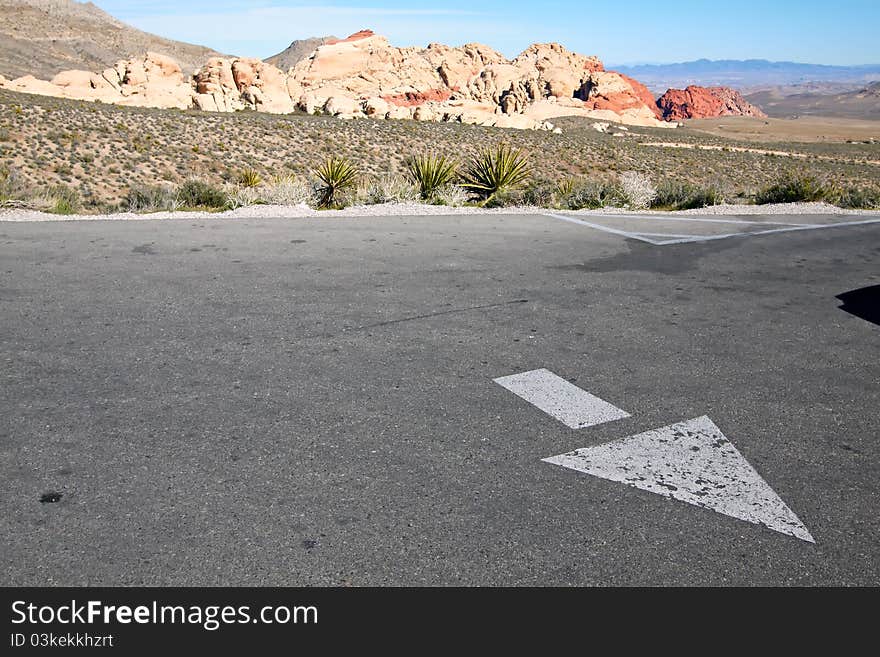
402,320
436,314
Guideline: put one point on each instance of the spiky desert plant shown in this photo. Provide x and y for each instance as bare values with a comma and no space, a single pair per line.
335,176
491,173
249,178
430,173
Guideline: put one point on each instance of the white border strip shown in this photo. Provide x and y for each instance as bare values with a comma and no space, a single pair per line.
646,237
574,407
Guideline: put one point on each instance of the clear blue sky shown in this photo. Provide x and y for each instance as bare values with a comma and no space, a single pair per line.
623,32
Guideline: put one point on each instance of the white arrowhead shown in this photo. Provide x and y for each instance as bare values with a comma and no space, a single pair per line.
692,462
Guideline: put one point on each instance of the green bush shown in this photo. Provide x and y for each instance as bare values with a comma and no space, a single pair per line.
856,198
677,195
430,173
702,197
336,176
199,194
64,200
495,172
793,190
504,199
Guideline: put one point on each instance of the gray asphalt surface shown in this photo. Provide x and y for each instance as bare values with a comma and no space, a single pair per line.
311,402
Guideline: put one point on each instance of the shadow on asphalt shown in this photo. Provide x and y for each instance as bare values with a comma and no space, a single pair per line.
863,303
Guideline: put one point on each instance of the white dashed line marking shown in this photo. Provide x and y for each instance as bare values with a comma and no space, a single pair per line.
564,401
692,462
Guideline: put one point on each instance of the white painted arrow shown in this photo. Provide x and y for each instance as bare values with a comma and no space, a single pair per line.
692,462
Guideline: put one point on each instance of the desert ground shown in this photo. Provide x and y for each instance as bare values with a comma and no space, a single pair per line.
806,129
97,154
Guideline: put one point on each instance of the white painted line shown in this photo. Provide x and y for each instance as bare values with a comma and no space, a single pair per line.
644,234
842,224
557,397
692,462
698,219
644,237
606,229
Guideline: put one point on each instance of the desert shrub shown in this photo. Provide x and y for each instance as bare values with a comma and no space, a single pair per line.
280,190
199,194
387,189
637,190
10,184
150,198
430,173
63,200
542,193
702,197
678,195
505,198
672,195
855,198
588,194
495,172
249,178
287,190
792,190
242,197
451,195
335,177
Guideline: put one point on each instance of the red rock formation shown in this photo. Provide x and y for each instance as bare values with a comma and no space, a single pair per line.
415,98
357,36
704,103
644,94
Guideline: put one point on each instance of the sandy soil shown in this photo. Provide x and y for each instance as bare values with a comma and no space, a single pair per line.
809,129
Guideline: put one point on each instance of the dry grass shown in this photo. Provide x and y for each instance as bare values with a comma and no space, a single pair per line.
103,151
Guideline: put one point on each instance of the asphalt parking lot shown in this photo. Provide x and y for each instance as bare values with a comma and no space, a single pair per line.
323,401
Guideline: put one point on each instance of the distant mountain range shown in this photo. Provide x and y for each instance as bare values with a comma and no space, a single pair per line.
746,75
45,37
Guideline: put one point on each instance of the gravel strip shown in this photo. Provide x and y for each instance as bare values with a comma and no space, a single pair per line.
416,209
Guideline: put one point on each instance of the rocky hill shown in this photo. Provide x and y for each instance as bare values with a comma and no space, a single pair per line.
705,102
364,75
298,51
45,37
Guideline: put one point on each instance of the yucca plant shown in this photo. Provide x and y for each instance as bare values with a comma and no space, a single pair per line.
336,175
249,178
430,173
566,187
494,172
